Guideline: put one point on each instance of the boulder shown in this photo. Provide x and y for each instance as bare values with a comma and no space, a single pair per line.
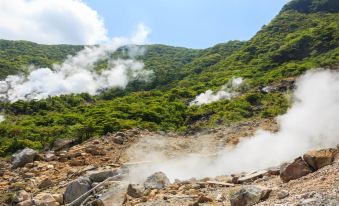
45,199
77,188
249,195
21,158
115,196
62,144
320,158
101,175
157,181
95,150
135,190
294,170
21,196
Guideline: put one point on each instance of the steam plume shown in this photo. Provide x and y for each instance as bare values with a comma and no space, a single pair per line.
311,123
77,75
227,92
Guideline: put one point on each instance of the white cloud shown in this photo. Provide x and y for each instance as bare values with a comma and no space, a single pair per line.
51,22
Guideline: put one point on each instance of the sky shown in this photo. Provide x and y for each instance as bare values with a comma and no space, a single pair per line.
188,23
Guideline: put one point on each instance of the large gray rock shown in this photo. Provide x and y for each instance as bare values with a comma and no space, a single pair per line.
157,181
101,175
115,196
249,195
320,158
294,170
77,188
21,158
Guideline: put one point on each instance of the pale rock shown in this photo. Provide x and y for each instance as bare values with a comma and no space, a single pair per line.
249,195
157,181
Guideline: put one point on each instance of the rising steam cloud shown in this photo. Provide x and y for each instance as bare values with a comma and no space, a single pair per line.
226,92
311,123
77,74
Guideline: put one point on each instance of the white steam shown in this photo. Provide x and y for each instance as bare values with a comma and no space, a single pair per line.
2,118
77,74
311,123
226,92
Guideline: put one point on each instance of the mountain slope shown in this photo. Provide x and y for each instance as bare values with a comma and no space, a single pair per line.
292,43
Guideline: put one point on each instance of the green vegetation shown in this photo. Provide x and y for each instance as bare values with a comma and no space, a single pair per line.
303,36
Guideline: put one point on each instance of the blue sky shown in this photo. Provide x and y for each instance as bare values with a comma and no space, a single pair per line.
188,23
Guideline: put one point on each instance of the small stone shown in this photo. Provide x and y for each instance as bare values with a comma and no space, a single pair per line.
118,140
95,150
220,197
21,196
77,162
45,199
59,198
47,182
282,194
25,203
50,156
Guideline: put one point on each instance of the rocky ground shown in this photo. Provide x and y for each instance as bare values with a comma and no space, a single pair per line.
97,173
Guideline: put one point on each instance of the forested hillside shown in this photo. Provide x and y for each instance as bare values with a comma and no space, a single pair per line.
303,36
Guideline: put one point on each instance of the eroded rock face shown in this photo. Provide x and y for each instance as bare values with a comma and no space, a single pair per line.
157,181
77,188
320,158
23,157
294,170
249,195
